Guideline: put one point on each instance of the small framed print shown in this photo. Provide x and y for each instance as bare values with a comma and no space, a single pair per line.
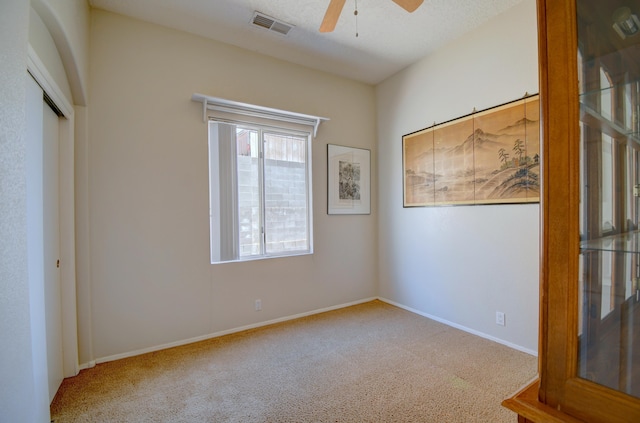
349,180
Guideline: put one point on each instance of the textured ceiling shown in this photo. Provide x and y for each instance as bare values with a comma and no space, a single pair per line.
389,39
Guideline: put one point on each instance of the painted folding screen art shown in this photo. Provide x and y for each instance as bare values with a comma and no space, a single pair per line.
488,157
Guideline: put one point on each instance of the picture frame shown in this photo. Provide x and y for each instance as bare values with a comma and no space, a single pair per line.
485,158
348,180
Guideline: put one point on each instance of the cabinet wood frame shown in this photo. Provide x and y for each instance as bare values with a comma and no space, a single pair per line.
561,395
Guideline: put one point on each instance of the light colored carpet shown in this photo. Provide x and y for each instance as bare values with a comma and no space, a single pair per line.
368,363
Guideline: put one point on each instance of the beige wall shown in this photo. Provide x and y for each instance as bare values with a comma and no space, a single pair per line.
150,278
461,264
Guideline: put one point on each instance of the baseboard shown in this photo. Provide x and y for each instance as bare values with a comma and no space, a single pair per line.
221,333
463,328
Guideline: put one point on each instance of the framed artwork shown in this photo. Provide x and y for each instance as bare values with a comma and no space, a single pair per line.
349,180
487,157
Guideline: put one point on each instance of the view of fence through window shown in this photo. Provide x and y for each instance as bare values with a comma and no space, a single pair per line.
282,180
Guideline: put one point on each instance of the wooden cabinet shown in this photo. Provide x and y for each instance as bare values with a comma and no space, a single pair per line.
589,349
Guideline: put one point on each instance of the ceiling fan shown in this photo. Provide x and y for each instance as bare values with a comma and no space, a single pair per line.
335,8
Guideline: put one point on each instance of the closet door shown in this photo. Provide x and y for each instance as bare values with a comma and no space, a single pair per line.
44,242
51,245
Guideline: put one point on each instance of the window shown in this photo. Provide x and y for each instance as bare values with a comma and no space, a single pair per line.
260,191
260,199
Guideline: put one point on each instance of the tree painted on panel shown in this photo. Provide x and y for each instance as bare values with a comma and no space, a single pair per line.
504,157
518,149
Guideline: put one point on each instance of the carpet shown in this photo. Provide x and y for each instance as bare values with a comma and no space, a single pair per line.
372,362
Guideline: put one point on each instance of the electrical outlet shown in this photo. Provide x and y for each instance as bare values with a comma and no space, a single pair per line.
258,305
500,318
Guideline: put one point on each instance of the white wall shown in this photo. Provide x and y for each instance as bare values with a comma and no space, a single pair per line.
59,36
68,23
461,264
150,279
23,394
44,46
18,401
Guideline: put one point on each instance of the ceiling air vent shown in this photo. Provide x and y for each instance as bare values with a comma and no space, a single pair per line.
272,24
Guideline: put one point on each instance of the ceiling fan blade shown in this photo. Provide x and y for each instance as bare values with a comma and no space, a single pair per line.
408,5
331,16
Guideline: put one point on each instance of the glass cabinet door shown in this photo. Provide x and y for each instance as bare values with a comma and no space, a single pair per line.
608,59
589,351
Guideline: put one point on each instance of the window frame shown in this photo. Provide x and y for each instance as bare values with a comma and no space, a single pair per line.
279,128
235,112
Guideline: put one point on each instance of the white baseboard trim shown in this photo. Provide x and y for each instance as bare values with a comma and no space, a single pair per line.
463,328
88,365
221,333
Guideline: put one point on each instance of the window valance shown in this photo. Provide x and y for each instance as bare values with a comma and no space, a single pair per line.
245,109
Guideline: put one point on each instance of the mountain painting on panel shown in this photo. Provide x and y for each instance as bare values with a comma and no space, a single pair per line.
489,157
